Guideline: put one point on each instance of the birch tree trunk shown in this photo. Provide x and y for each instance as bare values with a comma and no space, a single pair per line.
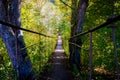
13,39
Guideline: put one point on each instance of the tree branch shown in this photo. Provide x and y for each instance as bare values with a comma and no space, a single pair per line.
66,4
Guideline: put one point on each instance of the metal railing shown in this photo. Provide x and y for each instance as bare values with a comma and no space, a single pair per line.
7,24
90,32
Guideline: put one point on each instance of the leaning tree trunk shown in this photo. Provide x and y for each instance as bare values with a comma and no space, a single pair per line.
13,39
73,23
76,29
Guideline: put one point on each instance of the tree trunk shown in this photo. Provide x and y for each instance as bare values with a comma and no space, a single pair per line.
82,6
76,29
73,23
10,11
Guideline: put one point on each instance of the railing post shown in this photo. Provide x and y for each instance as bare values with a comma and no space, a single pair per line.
90,78
46,44
39,53
115,51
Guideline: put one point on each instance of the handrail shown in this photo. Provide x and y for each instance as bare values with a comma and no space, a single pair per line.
75,44
19,28
109,21
29,46
7,24
105,24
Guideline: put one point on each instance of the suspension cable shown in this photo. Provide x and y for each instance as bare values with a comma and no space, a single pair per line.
75,44
18,27
29,46
114,43
109,21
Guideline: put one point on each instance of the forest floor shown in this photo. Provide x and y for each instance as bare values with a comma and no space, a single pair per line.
59,69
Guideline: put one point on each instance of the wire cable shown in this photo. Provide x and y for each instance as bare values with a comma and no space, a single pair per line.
19,28
109,21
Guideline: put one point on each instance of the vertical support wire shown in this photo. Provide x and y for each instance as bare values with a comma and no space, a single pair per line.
39,53
112,8
114,43
46,50
42,56
17,56
90,56
115,51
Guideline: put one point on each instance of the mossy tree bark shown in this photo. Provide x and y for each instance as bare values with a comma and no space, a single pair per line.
13,39
78,15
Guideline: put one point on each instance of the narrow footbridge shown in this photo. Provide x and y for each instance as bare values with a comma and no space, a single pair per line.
59,70
59,62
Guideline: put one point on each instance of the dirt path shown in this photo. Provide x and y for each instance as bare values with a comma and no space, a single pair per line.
59,62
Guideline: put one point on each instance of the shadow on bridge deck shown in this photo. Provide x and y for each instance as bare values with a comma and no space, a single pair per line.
59,65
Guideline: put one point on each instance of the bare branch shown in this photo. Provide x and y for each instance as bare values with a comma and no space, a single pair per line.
66,4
